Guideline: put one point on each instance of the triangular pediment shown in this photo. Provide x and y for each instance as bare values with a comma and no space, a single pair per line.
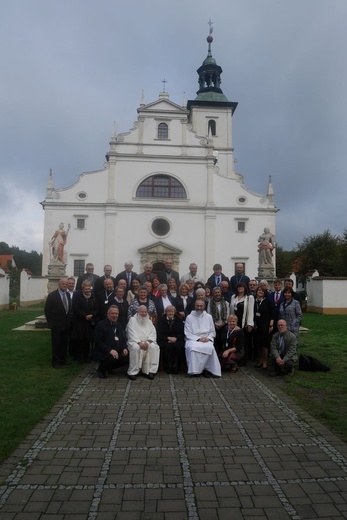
160,248
162,105
158,253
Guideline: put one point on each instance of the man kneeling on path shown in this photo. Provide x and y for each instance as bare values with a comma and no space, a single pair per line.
142,344
110,343
200,332
283,350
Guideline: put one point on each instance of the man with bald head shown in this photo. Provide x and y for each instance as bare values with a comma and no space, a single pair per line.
200,332
147,274
192,275
128,275
110,343
99,284
283,350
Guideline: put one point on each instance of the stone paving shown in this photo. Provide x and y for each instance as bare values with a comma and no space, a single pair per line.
176,448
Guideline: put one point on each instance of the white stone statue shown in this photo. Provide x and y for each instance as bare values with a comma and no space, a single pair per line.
57,244
265,248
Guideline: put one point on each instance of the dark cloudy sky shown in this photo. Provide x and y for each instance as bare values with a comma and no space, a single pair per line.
69,68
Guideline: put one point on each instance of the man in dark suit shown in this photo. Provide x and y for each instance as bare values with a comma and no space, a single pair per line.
104,299
238,277
110,343
217,277
128,275
88,275
277,298
169,273
57,311
99,283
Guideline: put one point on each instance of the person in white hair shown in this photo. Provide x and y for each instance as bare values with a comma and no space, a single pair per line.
142,345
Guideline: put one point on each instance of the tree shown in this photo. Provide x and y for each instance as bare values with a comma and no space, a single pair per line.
322,252
24,259
284,261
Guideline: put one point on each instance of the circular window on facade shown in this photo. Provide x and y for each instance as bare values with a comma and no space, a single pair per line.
242,200
160,227
81,195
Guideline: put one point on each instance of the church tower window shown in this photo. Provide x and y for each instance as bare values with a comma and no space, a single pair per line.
161,186
212,127
163,131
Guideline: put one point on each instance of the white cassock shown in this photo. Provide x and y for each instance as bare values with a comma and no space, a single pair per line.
201,356
139,359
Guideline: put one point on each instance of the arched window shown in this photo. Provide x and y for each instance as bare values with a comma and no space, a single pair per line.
212,127
161,186
163,131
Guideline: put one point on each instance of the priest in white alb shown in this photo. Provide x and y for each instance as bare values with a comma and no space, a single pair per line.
142,345
200,331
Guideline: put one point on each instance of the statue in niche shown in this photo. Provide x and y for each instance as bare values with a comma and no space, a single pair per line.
57,244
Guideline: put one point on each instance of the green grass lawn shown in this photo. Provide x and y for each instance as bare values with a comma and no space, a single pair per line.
322,394
29,386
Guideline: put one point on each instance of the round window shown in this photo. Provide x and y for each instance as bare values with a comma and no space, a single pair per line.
242,200
82,195
160,227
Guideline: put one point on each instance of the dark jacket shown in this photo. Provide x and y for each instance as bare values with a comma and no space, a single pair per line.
99,283
164,331
123,276
235,340
55,312
211,281
178,304
83,277
104,339
82,307
158,302
103,303
163,278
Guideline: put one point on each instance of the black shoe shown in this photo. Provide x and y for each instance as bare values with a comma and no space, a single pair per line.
56,365
206,373
150,376
102,375
132,378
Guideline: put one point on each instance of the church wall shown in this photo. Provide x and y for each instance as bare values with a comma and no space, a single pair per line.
129,174
186,234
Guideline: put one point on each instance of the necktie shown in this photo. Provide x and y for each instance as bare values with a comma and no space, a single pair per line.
276,297
65,302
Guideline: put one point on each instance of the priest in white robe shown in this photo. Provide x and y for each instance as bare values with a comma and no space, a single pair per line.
199,331
142,345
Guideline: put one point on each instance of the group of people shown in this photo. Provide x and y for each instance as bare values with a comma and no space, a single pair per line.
138,320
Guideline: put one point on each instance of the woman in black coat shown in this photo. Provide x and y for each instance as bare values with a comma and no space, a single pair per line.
170,338
233,343
264,315
84,318
183,303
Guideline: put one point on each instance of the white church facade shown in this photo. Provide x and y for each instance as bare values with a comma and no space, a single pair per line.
168,189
